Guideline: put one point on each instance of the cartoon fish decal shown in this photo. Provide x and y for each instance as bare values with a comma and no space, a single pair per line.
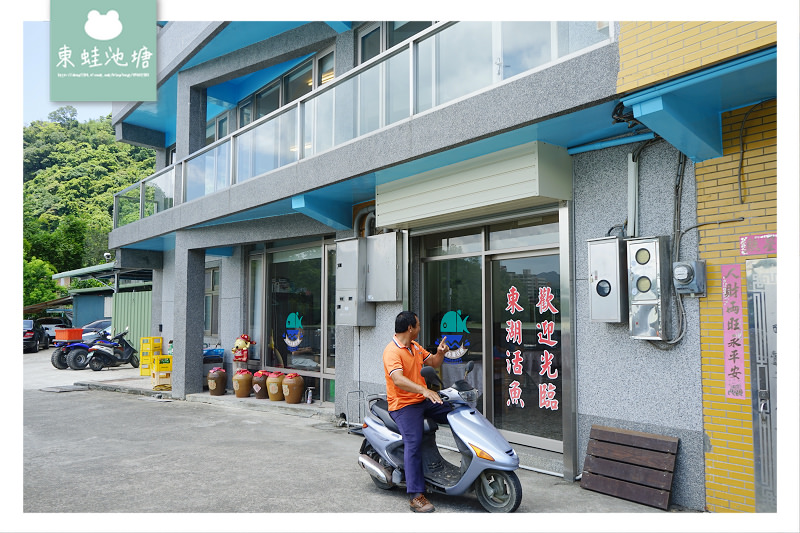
454,327
294,331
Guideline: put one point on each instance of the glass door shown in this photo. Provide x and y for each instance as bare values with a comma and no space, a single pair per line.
526,353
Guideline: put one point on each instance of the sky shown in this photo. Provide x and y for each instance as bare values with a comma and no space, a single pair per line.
26,80
36,104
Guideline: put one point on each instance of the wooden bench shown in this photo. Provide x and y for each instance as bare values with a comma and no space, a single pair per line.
630,465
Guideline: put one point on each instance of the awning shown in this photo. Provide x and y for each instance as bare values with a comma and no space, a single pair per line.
41,306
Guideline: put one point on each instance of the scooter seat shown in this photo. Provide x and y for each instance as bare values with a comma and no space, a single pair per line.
380,408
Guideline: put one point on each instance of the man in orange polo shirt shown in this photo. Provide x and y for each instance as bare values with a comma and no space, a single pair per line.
410,401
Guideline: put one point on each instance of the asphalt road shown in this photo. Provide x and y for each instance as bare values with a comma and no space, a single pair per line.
215,468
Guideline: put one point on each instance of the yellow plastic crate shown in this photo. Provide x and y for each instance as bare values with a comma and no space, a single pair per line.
150,343
162,363
145,366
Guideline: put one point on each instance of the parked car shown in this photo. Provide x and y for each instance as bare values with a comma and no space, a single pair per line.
50,324
92,329
34,336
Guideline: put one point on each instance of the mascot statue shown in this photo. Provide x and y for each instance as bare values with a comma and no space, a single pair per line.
240,350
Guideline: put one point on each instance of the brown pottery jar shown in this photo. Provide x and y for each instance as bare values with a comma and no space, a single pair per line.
217,378
293,386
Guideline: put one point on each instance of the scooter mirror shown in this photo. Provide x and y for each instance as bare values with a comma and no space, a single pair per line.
470,367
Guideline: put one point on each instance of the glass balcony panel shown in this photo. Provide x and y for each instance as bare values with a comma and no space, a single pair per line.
398,87
575,36
287,128
526,45
159,193
397,31
345,105
369,100
318,117
128,206
464,61
208,172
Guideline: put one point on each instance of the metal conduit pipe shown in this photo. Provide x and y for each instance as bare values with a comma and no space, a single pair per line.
359,217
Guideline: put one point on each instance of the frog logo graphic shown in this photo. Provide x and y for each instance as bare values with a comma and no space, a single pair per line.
294,331
454,327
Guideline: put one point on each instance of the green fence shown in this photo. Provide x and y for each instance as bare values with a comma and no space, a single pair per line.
132,310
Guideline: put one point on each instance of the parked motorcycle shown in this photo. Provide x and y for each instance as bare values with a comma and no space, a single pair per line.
487,464
73,354
115,351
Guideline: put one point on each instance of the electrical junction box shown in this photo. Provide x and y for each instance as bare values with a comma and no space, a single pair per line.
648,284
689,277
384,267
608,296
351,307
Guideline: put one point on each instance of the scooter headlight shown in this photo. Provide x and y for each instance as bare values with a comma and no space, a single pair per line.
469,396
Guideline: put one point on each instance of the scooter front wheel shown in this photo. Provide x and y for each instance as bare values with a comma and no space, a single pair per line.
498,491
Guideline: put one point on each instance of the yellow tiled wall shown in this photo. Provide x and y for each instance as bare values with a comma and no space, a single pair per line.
728,423
653,51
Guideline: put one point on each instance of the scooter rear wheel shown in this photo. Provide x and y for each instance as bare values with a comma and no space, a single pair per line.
498,491
96,364
370,451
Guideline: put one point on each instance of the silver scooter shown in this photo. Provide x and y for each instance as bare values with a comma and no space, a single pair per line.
487,464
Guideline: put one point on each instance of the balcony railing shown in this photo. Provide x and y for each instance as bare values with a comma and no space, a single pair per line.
438,66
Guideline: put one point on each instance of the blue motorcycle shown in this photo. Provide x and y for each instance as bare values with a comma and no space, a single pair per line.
69,354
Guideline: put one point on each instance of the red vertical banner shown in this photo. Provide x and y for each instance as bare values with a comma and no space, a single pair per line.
733,334
547,391
514,359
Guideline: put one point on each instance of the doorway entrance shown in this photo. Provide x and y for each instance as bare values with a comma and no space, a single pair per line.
494,293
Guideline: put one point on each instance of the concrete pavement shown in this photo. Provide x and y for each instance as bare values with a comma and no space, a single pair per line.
90,449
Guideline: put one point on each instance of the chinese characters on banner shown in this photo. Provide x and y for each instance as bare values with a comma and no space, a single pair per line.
758,244
514,359
732,327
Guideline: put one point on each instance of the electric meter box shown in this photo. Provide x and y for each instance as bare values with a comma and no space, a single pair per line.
608,293
384,267
689,277
648,285
351,307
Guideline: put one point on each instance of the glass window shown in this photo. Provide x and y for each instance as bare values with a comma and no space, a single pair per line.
397,32
246,113
453,309
256,304
211,130
530,231
457,242
296,309
330,360
325,67
370,44
268,100
211,302
298,83
222,127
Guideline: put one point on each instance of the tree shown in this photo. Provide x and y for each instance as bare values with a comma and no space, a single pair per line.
38,284
65,116
71,171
